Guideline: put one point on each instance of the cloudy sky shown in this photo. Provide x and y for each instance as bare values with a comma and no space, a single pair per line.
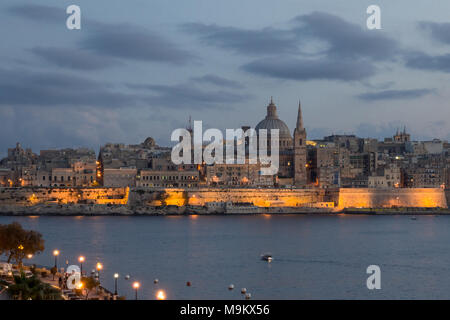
140,68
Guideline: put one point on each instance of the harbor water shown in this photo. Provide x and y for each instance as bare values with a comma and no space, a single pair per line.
314,256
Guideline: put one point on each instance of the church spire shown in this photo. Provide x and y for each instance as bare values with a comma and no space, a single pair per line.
299,117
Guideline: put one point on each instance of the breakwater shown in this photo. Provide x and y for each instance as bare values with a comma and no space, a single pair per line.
159,201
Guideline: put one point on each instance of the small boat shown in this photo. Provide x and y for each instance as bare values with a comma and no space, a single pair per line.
413,218
267,257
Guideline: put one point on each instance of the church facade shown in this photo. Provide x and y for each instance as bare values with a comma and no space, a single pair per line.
292,150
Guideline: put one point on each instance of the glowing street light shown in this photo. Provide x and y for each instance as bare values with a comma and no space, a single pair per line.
161,295
29,256
116,277
56,254
99,267
136,286
81,260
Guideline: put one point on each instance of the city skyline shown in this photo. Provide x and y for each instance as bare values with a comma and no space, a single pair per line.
233,156
170,144
70,88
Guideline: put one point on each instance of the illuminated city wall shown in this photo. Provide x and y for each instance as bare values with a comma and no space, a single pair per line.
201,196
37,195
341,198
388,198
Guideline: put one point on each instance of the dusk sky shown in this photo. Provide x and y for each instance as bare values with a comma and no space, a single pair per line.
140,68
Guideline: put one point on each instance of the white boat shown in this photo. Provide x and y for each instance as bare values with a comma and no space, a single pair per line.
267,257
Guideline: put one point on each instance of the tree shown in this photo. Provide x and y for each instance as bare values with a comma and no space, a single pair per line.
16,243
32,288
89,284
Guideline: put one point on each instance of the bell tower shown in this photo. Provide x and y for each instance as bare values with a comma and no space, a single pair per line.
300,178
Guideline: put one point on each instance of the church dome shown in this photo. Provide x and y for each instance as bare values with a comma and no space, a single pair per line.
273,122
149,143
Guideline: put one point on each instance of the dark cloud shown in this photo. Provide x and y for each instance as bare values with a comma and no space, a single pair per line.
21,87
345,40
264,41
439,31
40,13
188,96
342,39
74,58
130,42
125,41
347,51
218,81
424,61
395,94
311,69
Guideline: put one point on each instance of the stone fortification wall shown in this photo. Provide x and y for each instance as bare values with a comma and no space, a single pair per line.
38,195
201,196
389,198
268,198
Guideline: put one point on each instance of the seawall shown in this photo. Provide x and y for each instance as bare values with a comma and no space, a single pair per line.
392,198
255,196
146,201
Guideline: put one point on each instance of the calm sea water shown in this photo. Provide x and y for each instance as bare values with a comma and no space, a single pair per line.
315,257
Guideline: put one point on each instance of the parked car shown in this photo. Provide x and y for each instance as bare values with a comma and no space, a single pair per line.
28,273
17,273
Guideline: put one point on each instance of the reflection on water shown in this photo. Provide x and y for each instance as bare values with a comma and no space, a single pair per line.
314,256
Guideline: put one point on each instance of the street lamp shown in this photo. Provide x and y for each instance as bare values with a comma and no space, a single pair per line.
136,286
81,260
161,295
56,254
116,277
99,267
